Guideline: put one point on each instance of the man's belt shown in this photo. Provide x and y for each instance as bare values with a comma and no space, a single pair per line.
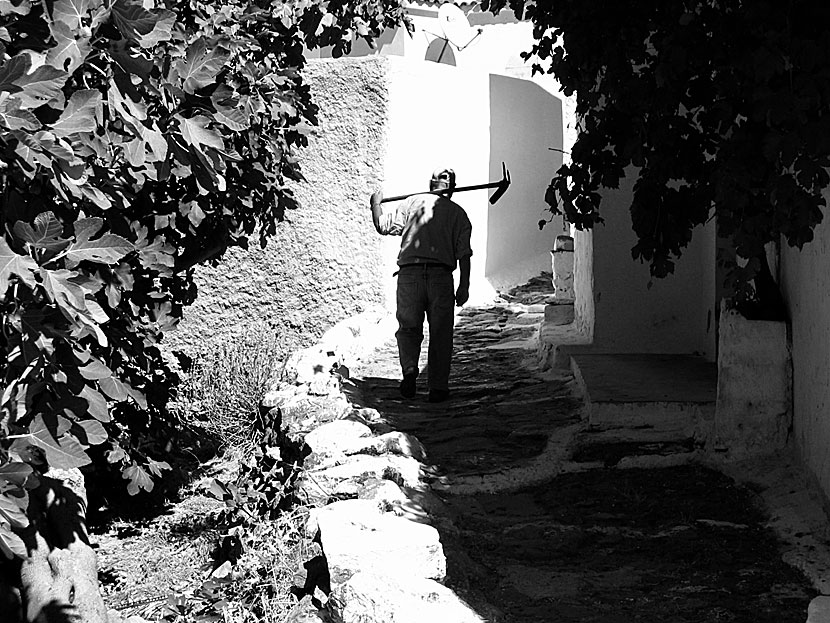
426,265
423,266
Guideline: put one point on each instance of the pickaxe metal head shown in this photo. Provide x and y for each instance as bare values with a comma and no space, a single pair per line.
501,188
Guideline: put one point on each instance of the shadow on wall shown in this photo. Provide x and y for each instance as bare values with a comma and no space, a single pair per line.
526,133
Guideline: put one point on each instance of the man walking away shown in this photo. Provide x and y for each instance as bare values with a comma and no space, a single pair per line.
435,235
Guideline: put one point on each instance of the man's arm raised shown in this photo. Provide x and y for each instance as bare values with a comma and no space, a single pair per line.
375,200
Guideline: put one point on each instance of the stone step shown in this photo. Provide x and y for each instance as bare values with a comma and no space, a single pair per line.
609,448
559,314
673,394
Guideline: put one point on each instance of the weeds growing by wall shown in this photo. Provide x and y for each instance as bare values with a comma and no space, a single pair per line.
222,389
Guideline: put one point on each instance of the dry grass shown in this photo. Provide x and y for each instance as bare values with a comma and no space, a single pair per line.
141,566
162,570
223,388
274,552
166,569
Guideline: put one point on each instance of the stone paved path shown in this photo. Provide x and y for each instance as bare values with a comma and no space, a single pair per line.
531,535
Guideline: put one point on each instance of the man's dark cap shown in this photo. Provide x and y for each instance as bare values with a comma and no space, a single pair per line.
443,172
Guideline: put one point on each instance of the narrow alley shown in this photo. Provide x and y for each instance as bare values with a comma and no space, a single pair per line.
534,533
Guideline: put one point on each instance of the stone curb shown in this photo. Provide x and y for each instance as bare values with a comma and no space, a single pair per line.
384,562
373,508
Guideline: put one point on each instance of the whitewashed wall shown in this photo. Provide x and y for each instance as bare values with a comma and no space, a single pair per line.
673,315
438,116
526,133
805,282
385,122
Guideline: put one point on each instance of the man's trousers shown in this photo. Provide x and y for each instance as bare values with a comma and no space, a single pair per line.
426,290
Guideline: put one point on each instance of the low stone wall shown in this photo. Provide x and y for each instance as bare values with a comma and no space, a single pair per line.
754,398
381,560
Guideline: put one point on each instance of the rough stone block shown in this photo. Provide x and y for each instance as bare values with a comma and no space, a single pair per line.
307,364
559,314
563,243
356,536
372,419
385,493
372,596
337,437
525,319
394,442
344,480
754,396
302,414
306,612
352,338
276,396
563,274
819,610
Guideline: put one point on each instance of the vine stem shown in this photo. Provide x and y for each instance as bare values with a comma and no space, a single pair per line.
46,15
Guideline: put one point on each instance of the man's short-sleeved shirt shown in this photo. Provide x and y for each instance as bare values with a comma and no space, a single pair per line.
433,228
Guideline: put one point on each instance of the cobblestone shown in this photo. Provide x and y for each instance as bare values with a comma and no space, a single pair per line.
533,535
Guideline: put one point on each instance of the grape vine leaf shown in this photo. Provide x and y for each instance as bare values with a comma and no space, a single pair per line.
12,511
41,86
62,452
95,370
69,52
79,114
95,432
10,544
20,8
12,70
16,473
97,404
201,65
14,117
139,479
12,263
71,13
108,249
46,234
137,23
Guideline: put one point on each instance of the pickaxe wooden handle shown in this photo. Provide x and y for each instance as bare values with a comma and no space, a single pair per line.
500,186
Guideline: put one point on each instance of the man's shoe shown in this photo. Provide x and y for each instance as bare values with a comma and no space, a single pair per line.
438,395
407,387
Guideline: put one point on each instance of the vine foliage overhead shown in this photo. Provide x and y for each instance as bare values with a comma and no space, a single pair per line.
138,139
717,108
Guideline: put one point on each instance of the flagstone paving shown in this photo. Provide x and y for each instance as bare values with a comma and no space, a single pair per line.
533,535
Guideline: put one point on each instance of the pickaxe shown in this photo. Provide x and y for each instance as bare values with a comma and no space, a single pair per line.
500,186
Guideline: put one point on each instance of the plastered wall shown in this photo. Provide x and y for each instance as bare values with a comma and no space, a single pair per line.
526,133
386,123
672,315
584,309
324,263
526,128
473,121
439,116
805,283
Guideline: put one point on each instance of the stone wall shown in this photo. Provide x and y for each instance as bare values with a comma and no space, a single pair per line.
323,264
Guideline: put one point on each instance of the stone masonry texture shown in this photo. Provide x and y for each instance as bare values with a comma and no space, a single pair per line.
322,266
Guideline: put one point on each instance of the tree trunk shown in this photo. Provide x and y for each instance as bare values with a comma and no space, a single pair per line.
58,582
768,304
